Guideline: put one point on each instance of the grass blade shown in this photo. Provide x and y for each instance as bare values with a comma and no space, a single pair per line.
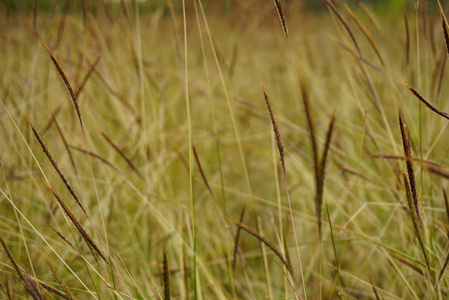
332,6
64,141
366,33
203,176
321,175
120,152
446,202
407,39
68,295
166,275
426,103
94,155
237,238
87,76
266,242
416,223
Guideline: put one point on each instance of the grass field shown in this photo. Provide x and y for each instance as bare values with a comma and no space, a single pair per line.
260,151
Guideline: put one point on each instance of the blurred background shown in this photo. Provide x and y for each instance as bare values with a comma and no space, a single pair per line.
390,6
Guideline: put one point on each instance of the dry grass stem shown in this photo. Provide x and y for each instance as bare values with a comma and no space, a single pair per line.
333,8
166,277
56,167
64,141
237,238
407,40
366,33
94,155
79,227
203,175
427,103
66,81
87,76
120,152
266,242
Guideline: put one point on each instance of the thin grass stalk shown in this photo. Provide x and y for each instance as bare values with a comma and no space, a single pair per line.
190,144
120,152
407,40
64,141
358,56
333,8
125,12
68,294
203,175
237,238
446,202
365,33
166,277
48,288
311,129
416,225
85,10
371,17
94,155
321,175
87,76
425,102
443,268
440,78
61,25
136,285
50,121
376,293
64,239
269,290
267,243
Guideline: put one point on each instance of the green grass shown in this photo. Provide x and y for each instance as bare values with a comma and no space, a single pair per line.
210,155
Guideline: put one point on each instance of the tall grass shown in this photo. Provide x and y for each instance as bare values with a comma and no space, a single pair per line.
140,158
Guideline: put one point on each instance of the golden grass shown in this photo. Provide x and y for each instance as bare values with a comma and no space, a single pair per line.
189,182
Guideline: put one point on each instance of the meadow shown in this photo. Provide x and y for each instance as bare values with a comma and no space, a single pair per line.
199,151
